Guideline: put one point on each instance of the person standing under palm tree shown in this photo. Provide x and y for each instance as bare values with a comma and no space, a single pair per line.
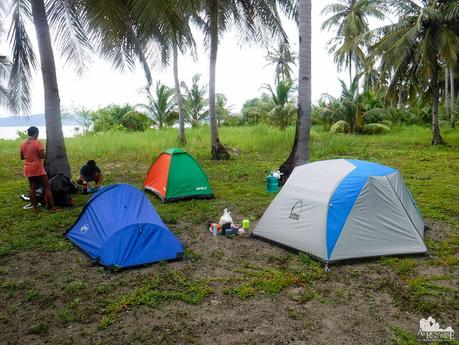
32,153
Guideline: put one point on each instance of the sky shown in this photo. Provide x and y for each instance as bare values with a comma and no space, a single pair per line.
241,72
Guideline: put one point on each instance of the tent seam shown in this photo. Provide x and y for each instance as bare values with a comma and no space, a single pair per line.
404,209
328,208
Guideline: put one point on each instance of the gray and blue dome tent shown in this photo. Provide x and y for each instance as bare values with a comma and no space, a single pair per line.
119,227
342,209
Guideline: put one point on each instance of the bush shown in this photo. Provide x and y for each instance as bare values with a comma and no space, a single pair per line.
106,118
136,121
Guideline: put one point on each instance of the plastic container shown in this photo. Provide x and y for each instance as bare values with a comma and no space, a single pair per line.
246,224
272,184
85,187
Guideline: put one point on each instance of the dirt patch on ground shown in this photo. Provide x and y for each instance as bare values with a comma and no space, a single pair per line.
60,298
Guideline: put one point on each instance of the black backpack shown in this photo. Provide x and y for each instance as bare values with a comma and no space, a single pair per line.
61,187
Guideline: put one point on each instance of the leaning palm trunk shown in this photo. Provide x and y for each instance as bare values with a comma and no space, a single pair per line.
218,151
178,95
453,99
436,136
56,156
300,151
142,58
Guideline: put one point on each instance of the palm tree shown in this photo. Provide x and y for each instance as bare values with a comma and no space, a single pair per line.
282,58
254,110
300,150
453,97
353,112
281,110
64,17
255,20
160,108
195,103
222,110
350,18
129,29
181,39
446,93
414,48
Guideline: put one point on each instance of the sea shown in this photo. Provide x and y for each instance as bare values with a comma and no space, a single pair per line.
11,132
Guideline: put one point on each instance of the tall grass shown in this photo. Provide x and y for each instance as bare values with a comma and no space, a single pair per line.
430,172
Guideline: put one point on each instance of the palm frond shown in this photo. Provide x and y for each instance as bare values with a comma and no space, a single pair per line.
23,58
69,24
375,128
340,127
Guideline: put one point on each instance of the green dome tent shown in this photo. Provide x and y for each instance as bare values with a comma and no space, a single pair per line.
176,175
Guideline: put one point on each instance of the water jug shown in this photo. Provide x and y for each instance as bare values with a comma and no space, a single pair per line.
272,184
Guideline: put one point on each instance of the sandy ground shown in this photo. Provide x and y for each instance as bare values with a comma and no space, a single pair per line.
353,308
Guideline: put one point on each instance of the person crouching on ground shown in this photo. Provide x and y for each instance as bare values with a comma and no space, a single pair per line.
32,153
90,172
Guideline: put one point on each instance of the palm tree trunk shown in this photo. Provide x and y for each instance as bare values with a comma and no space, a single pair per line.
218,151
300,151
453,98
56,155
142,58
400,96
350,69
178,95
436,136
446,101
140,53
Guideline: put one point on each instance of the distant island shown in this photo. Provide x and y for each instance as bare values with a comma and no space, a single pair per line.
32,120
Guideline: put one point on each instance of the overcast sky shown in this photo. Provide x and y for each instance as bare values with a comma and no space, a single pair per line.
241,71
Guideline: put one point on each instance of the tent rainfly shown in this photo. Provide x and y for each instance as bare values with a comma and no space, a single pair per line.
176,175
343,209
119,227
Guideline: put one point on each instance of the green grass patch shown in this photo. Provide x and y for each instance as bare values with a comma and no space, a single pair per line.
261,281
422,294
238,184
191,255
402,266
74,287
424,286
446,252
69,313
164,285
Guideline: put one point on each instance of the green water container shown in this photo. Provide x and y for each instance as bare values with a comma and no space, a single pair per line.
272,184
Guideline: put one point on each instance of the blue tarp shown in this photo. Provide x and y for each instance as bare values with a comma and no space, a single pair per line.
346,194
119,227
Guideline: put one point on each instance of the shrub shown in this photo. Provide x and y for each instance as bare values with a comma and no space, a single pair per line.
136,121
109,117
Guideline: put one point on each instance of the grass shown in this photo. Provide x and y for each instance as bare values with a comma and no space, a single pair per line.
261,281
403,266
239,184
445,251
165,285
422,294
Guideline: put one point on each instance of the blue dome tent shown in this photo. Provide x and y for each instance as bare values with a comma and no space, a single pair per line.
119,227
344,209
